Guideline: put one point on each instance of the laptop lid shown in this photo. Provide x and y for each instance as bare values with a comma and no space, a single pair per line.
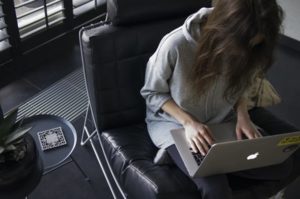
221,132
229,155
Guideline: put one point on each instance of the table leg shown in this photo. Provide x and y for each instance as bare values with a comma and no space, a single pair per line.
86,178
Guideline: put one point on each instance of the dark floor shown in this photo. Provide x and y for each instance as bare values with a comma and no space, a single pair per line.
81,177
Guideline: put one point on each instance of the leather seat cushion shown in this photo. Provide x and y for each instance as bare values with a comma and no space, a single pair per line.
131,152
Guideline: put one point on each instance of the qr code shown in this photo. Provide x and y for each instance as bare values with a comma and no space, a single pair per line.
51,138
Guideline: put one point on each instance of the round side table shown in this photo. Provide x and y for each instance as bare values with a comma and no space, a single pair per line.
49,159
53,157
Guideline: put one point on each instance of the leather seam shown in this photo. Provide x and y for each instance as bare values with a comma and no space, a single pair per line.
122,59
144,177
119,112
117,151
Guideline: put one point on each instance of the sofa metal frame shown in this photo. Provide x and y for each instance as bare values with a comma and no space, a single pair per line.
87,135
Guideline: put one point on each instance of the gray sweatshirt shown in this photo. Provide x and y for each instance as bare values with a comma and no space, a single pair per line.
167,76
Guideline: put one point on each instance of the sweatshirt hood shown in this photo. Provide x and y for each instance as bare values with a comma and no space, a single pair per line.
191,26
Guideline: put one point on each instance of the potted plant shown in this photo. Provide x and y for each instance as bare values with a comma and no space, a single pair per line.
18,155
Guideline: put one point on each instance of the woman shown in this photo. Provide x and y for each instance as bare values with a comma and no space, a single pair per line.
200,74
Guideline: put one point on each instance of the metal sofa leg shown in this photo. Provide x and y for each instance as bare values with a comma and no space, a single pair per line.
89,135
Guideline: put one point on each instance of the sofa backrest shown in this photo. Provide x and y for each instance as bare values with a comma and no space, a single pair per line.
124,12
116,56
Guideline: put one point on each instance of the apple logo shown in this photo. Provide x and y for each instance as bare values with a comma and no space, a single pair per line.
253,156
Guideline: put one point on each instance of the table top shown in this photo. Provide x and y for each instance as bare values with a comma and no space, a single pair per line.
52,157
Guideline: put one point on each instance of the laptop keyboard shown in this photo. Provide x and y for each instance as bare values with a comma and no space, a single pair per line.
198,157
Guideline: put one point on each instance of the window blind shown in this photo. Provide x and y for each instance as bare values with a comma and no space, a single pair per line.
4,42
38,15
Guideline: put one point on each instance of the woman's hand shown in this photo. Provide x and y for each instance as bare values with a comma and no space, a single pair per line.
245,127
244,124
199,136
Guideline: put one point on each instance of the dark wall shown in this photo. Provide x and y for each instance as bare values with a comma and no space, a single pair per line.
284,75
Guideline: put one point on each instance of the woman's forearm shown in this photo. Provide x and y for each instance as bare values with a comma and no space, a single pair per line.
244,124
197,134
175,111
242,109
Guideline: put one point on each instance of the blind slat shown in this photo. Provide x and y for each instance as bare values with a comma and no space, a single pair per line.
87,6
24,3
78,3
55,12
4,45
56,21
2,25
32,31
3,36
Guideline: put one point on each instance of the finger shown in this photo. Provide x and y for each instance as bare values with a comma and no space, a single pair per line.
193,146
238,134
208,136
204,145
257,134
249,134
208,141
199,146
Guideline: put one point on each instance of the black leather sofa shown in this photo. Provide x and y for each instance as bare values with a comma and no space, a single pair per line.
115,53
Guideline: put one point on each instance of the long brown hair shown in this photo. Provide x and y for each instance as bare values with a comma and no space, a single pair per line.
237,40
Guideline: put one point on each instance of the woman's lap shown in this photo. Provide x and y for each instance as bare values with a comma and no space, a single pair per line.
219,183
213,186
217,186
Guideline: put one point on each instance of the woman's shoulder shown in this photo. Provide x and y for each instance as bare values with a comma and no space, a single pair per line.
174,39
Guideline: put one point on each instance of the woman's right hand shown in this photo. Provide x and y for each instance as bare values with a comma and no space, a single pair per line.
198,136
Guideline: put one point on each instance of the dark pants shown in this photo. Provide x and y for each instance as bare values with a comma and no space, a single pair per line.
217,186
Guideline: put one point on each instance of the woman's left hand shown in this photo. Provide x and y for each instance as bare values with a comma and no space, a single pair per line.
245,127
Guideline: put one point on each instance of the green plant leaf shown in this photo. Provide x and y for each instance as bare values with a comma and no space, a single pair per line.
10,148
18,133
2,149
18,141
7,123
1,114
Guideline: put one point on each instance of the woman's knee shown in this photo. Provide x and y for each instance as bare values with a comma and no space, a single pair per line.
274,172
296,163
214,187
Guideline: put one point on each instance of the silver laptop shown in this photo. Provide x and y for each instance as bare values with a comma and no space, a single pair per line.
229,155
